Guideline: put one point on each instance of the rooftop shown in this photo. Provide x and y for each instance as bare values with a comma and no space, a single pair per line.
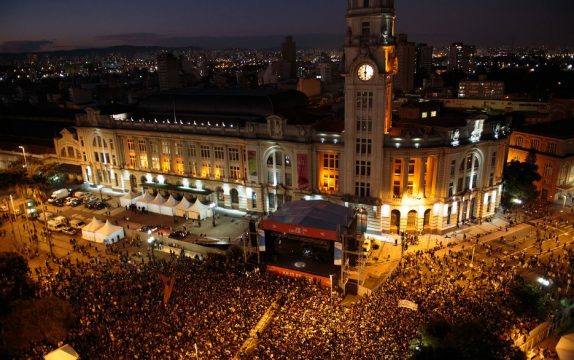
563,129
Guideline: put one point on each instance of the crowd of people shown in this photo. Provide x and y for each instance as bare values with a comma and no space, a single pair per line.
214,306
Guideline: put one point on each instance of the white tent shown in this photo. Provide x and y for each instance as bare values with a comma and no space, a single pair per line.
565,347
203,210
89,231
109,233
154,206
168,208
65,352
144,201
130,199
181,208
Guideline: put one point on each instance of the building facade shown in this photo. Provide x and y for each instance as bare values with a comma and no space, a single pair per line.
553,147
424,60
404,80
254,150
481,89
461,57
169,71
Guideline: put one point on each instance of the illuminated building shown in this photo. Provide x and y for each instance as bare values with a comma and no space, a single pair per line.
425,171
554,153
461,57
481,89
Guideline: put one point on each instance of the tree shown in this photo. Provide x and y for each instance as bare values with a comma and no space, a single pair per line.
519,178
34,321
15,282
468,340
529,300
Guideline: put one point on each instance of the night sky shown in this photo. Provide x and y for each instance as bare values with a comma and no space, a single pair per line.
29,25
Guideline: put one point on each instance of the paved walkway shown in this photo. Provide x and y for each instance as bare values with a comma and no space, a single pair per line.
253,339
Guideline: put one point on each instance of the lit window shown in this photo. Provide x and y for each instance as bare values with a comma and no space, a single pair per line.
424,115
433,114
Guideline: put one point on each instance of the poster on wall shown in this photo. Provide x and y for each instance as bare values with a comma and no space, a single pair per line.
303,171
261,239
252,163
338,253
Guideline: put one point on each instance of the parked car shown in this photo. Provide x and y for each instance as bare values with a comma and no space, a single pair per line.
58,202
69,230
77,224
55,226
178,235
75,202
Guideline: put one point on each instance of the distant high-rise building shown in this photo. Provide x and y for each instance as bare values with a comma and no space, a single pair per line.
424,59
168,68
461,57
406,53
326,69
289,54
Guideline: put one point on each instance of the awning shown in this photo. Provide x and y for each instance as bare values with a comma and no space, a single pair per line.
182,189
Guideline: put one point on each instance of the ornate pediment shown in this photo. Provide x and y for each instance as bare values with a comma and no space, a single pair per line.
276,127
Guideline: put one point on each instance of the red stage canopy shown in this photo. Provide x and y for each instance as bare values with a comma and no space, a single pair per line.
314,219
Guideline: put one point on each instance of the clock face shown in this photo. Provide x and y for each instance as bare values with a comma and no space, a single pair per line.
365,72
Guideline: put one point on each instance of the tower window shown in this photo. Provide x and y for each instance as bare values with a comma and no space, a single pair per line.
366,29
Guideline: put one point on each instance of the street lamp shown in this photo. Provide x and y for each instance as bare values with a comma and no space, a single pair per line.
24,153
331,280
212,214
151,241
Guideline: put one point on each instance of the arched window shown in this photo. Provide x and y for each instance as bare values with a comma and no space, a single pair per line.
99,142
468,173
279,169
63,152
234,196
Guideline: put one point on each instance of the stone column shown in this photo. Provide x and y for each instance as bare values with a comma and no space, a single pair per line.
405,184
421,182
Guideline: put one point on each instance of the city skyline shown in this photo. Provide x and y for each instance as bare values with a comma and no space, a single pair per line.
59,25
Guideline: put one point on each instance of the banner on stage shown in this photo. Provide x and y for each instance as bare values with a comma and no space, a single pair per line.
338,253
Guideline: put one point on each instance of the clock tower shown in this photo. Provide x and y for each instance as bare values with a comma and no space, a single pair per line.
370,63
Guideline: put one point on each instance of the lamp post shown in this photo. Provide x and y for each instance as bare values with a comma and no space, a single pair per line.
25,160
331,286
151,241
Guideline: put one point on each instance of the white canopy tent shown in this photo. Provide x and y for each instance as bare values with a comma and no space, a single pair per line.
154,206
144,201
181,208
168,208
89,231
65,352
203,211
109,233
565,347
130,199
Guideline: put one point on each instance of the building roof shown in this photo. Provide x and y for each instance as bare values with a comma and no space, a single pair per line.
563,129
255,102
315,219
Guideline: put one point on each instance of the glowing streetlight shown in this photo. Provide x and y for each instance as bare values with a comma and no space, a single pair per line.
24,153
150,241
